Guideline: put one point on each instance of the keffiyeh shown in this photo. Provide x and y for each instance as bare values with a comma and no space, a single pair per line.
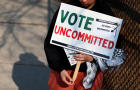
117,59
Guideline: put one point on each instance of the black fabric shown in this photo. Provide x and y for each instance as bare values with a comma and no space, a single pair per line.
56,56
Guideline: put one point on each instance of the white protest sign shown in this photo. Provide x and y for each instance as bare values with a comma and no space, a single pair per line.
69,54
86,31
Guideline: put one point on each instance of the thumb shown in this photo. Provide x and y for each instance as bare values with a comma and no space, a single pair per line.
68,76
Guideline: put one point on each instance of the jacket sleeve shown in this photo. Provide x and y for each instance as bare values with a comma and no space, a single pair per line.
53,53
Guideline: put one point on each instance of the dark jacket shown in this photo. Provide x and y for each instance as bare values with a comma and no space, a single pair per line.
57,59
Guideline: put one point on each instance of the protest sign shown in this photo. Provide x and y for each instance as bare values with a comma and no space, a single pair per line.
86,31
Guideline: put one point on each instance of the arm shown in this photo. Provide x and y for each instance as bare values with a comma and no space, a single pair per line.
55,55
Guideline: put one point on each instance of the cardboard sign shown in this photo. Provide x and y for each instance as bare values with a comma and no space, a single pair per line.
86,31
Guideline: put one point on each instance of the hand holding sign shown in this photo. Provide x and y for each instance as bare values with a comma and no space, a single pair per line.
86,31
81,58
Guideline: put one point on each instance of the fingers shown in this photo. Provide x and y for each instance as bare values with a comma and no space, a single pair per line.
83,57
69,79
68,82
79,57
66,78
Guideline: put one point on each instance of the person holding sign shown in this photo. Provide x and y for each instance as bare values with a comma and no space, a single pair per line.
61,71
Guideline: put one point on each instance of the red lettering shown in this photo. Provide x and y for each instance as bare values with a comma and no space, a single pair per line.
63,31
95,39
81,36
111,44
104,43
74,36
87,38
100,41
55,30
67,32
92,39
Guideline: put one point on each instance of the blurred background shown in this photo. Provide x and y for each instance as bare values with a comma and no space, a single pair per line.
23,27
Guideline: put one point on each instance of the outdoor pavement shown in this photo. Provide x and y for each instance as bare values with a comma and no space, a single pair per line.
23,27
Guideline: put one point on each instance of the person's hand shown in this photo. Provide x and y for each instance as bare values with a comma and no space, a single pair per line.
66,77
83,57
